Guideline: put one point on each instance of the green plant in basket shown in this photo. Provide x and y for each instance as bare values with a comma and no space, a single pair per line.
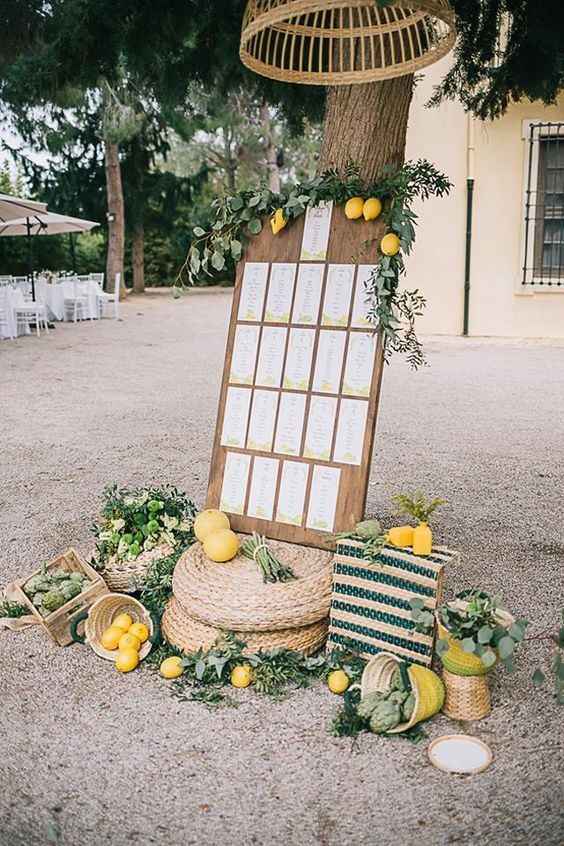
136,520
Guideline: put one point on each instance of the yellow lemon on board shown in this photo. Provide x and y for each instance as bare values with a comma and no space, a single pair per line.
221,546
353,208
390,244
140,631
129,641
208,521
277,221
372,208
127,660
110,638
338,681
171,668
241,676
123,621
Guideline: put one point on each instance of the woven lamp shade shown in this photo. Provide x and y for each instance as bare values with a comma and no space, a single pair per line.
343,42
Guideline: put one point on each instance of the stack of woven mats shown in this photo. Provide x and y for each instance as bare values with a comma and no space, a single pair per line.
209,598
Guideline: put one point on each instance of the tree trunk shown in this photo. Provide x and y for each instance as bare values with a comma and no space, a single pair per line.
269,150
138,258
116,220
366,125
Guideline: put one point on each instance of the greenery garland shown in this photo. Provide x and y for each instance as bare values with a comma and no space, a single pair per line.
393,312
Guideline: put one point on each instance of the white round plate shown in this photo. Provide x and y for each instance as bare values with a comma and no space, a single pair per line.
459,753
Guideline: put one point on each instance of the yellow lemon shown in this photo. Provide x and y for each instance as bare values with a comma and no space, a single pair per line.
122,621
171,668
208,521
390,244
241,676
353,208
221,546
129,641
372,208
401,536
338,681
140,631
110,638
127,660
277,221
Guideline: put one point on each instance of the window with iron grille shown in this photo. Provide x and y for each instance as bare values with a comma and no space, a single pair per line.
544,206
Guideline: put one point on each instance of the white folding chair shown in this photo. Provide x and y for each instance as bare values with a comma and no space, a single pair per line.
7,320
76,301
106,299
29,312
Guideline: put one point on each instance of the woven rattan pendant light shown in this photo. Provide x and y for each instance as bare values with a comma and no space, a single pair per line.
342,42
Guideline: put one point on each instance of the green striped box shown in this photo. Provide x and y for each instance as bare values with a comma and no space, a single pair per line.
370,611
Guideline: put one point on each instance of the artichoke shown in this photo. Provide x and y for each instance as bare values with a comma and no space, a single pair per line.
53,600
38,600
71,589
37,583
396,682
398,696
60,576
366,706
385,716
368,529
407,707
77,577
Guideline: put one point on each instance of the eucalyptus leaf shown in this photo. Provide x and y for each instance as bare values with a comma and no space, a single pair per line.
236,203
199,232
417,602
200,669
442,646
488,658
505,647
218,260
255,226
468,644
538,676
485,634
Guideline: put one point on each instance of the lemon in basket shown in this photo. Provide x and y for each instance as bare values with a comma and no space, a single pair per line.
111,637
129,641
140,631
338,681
171,668
123,621
127,660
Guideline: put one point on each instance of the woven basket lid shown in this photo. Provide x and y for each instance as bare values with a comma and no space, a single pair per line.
343,42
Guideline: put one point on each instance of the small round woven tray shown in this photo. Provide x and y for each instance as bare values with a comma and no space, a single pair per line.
233,596
126,576
190,634
102,614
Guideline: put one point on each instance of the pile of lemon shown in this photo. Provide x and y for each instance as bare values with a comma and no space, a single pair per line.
126,637
370,209
213,530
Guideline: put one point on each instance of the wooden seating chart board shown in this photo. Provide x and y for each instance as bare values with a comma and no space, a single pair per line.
301,383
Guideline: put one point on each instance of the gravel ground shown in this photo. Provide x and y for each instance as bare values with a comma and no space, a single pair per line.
90,757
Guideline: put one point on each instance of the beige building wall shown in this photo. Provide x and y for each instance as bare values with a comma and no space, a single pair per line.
499,304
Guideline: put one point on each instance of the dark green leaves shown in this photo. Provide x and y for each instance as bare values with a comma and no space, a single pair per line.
255,226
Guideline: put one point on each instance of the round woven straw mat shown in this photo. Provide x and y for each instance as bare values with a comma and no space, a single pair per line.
126,576
467,697
190,635
233,596
104,611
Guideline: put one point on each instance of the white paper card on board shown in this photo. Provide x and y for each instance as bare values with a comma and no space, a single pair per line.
360,305
263,415
271,356
236,417
253,289
291,497
323,498
308,294
317,226
298,360
338,291
244,355
360,364
329,361
290,423
351,427
263,488
280,292
234,486
320,425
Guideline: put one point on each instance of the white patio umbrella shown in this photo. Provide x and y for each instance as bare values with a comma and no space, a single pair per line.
12,208
44,223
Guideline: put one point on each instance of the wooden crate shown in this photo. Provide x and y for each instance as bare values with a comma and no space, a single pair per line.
370,611
57,624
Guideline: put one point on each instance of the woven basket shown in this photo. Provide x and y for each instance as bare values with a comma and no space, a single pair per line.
100,617
189,634
455,660
343,42
426,686
467,697
126,576
234,597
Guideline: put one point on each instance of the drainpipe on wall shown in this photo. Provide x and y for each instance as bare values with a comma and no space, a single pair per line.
470,156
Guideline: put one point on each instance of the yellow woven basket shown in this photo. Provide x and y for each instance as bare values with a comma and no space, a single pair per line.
426,685
462,663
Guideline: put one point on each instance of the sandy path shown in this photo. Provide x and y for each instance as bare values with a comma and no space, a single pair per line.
88,757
